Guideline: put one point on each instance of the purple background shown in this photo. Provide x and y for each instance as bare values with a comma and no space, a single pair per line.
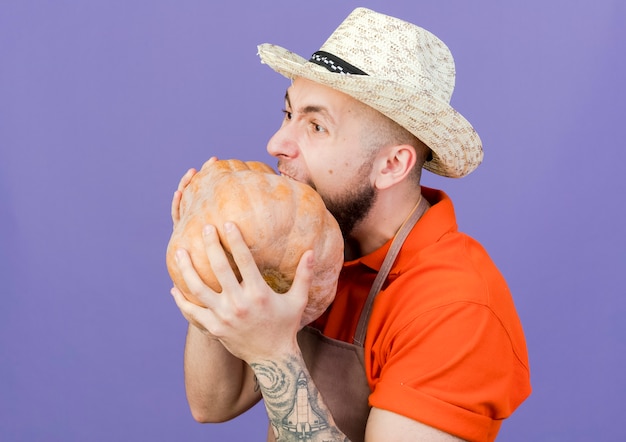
105,104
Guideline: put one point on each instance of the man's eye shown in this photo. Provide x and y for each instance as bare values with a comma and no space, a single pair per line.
287,114
318,128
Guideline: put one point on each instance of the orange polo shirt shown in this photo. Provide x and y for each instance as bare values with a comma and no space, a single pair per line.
444,344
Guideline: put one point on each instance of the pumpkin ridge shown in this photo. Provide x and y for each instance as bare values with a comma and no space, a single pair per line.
282,258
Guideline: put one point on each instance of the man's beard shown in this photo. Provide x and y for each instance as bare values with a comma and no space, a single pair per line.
354,205
351,208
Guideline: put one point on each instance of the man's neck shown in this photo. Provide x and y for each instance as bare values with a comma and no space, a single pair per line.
379,226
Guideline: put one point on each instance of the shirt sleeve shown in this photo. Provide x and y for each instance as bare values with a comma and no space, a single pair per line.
454,368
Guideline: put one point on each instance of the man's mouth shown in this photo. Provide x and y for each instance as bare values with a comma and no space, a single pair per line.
286,175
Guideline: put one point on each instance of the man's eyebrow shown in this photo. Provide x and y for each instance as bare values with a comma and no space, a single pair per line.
310,109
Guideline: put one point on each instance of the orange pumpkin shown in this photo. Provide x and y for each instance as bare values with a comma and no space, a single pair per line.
279,219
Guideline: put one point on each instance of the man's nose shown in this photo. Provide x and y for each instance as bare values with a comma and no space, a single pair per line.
283,144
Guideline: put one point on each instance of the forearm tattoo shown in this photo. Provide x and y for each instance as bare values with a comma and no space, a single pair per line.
294,405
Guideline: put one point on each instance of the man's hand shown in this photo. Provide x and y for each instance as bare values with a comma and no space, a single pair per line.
251,320
178,195
182,185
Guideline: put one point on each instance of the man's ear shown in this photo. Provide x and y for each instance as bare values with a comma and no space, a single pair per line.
393,164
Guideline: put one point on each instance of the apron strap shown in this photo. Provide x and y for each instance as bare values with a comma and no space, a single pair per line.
390,258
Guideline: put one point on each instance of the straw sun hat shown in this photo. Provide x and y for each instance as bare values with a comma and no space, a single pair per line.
399,69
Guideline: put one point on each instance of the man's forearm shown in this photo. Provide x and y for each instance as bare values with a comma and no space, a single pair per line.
295,407
219,386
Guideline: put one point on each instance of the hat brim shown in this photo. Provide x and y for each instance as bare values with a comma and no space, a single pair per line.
457,149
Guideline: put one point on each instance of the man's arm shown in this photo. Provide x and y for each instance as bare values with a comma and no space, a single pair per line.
392,427
256,325
249,322
296,409
219,386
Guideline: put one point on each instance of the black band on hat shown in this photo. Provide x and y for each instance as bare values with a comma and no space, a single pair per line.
334,63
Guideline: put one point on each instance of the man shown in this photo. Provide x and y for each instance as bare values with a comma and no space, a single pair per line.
422,341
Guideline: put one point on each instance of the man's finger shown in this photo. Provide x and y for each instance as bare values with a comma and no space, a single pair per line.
186,179
196,286
220,264
194,314
243,257
304,274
